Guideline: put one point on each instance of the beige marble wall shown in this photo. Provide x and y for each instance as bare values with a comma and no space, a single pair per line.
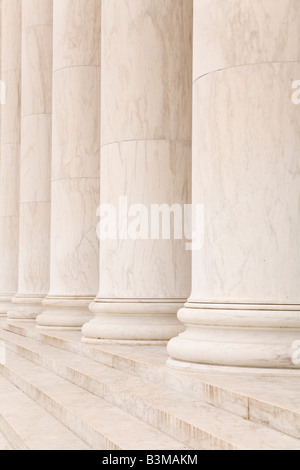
35,165
145,156
75,163
246,144
10,151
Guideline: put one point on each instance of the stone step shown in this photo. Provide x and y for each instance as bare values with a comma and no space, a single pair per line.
272,400
198,424
4,444
94,420
27,426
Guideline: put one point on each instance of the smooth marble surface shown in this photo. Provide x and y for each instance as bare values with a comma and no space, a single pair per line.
64,313
35,162
37,13
9,178
91,418
11,111
132,321
75,189
25,307
76,123
37,66
151,172
34,258
251,253
11,34
1,64
4,443
74,244
35,181
76,33
256,408
146,157
245,303
30,427
247,145
10,147
232,33
146,75
9,244
5,304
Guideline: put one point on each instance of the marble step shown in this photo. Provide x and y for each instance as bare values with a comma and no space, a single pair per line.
198,424
272,400
25,425
4,444
94,420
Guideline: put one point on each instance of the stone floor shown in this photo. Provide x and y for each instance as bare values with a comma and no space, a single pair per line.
59,393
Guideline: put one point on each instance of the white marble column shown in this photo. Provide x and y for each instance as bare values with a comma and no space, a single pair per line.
146,158
35,166
3,309
244,309
10,152
75,163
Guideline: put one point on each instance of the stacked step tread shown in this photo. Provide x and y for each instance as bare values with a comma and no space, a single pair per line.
115,410
269,400
27,426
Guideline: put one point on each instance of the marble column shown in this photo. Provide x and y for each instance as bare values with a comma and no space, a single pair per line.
145,159
244,309
74,262
10,152
3,309
35,165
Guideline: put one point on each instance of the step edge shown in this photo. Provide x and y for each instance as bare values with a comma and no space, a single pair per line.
209,434
251,400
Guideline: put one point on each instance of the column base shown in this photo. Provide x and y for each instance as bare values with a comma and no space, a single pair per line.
25,307
132,322
5,304
225,371
238,335
64,313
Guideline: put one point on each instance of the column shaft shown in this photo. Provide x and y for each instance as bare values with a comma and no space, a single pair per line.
145,159
3,304
35,167
10,151
244,309
75,163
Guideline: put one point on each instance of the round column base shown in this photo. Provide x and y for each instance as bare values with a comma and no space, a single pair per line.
123,342
255,336
64,313
132,322
225,371
25,307
5,304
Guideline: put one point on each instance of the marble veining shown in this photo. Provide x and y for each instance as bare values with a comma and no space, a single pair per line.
35,160
75,190
249,149
146,99
147,173
232,33
76,33
10,146
245,301
146,74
